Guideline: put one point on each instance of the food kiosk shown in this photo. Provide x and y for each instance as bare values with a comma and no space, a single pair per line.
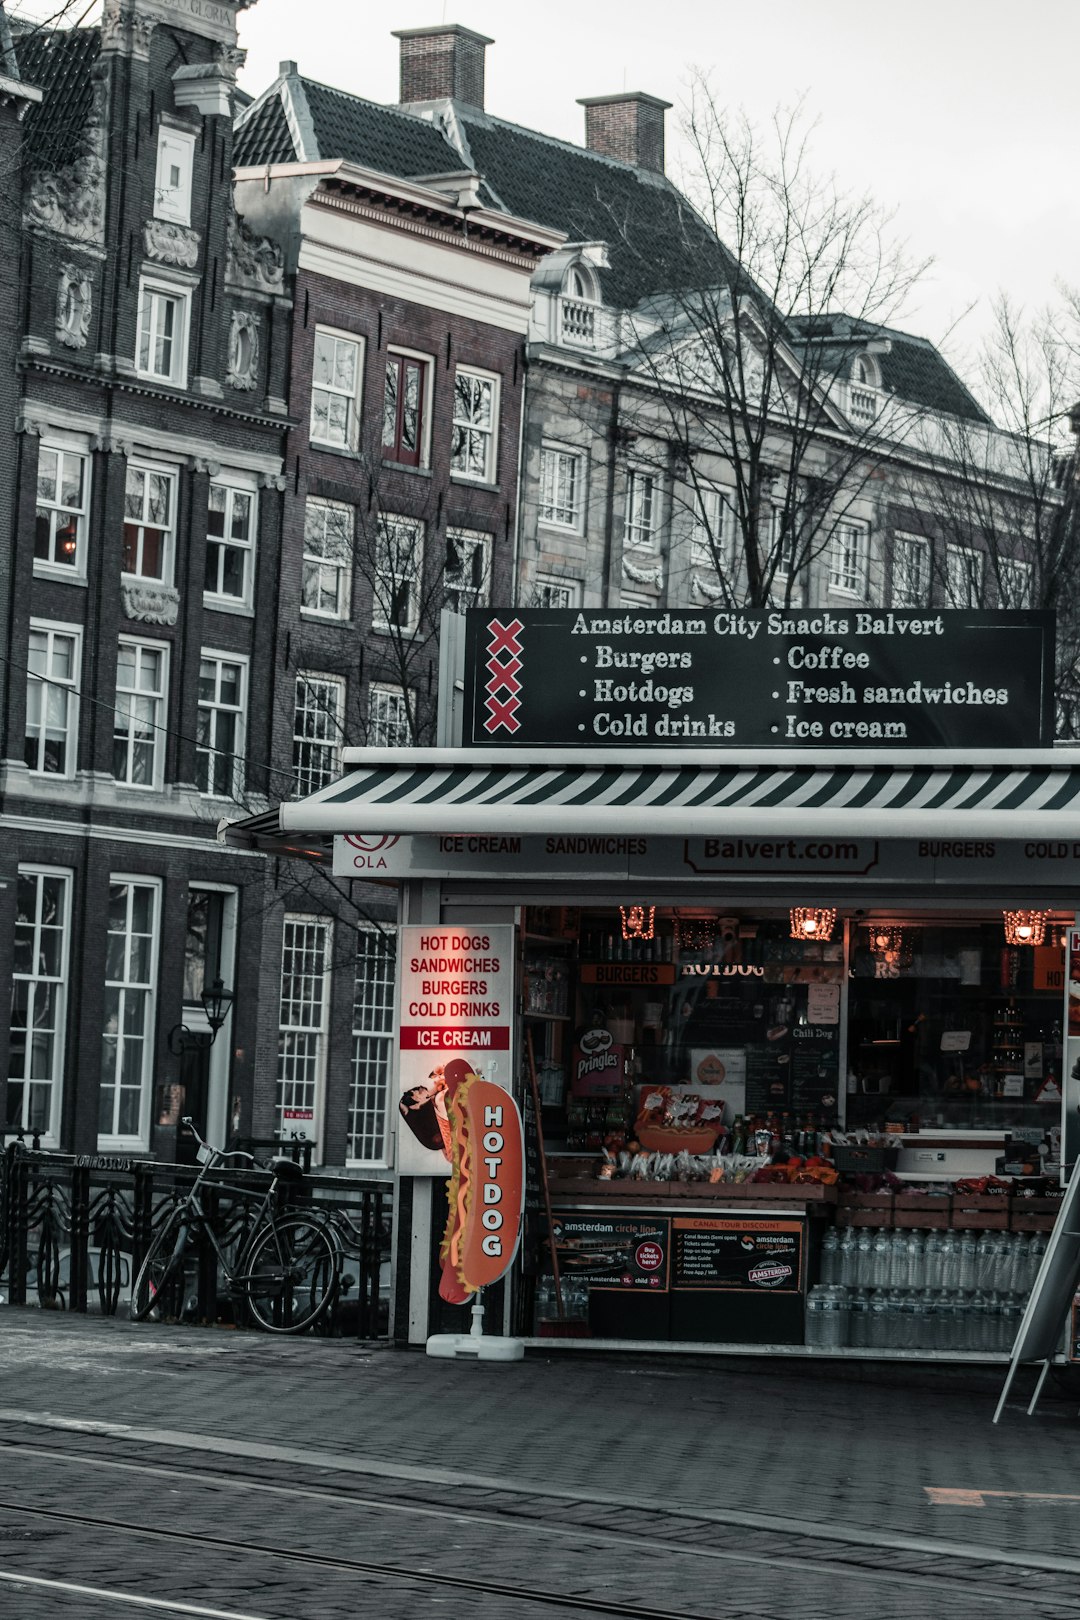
789,898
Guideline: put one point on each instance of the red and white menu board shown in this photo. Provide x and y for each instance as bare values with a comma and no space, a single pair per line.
455,1019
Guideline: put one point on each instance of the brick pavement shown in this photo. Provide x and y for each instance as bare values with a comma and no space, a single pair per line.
787,1452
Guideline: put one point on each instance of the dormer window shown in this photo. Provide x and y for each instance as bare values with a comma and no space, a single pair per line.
580,284
581,295
863,389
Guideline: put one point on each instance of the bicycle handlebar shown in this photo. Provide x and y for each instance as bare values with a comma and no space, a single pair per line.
219,1153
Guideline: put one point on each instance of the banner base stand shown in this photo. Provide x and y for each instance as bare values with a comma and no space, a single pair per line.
475,1347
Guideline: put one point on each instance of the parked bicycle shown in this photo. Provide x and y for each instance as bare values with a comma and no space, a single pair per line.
287,1269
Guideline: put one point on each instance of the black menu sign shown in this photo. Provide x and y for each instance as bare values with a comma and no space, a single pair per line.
738,1253
768,677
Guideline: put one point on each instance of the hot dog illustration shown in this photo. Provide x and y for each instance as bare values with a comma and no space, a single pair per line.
486,1188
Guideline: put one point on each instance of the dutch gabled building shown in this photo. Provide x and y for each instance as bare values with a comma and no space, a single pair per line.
143,417
411,297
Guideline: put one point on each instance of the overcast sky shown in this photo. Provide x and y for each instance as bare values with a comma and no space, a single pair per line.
960,114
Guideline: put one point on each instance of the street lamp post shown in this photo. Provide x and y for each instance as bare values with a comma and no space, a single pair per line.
216,1003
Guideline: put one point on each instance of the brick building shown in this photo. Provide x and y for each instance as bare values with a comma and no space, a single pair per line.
411,310
148,332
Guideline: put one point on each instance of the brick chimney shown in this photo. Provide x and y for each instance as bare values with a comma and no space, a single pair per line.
437,63
629,126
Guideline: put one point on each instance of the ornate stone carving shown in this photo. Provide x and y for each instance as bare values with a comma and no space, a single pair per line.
141,29
231,57
170,243
255,262
74,301
112,25
153,604
123,28
276,481
711,593
71,200
202,464
112,443
243,350
643,576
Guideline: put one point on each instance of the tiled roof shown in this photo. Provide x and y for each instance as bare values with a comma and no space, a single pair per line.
656,241
379,137
912,368
58,62
345,126
263,134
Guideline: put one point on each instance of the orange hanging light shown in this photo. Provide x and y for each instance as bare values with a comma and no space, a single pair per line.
1025,927
812,922
638,922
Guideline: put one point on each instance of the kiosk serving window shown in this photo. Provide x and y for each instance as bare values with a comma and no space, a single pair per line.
898,1023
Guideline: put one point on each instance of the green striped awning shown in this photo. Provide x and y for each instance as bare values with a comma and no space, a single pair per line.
857,793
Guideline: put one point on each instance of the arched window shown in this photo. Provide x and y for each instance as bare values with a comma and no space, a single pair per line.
864,371
581,283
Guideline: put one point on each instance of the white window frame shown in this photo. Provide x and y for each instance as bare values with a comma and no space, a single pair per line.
327,557
388,582
967,565
147,990
556,507
167,531
427,364
849,559
64,450
461,588
232,485
382,696
50,681
210,751
1015,572
297,1089
152,289
305,779
713,528
353,397
54,1081
559,593
175,147
160,696
904,593
374,1000
641,519
489,434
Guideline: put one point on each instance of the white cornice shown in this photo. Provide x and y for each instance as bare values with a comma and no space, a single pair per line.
407,191
449,239
41,415
416,286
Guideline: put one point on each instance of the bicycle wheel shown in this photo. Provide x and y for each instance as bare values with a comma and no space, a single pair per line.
155,1288
292,1274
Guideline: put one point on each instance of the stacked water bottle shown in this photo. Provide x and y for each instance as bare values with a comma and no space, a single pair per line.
903,1289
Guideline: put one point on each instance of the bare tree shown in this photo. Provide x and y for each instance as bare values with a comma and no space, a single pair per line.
757,372
1000,506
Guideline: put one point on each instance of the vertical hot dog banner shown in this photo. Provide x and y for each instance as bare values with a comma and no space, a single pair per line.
455,1021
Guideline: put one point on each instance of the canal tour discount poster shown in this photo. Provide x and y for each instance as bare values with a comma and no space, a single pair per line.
455,1018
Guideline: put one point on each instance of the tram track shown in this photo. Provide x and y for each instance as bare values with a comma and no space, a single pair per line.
1024,1589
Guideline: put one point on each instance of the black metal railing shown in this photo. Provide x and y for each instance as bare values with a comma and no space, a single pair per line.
74,1229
